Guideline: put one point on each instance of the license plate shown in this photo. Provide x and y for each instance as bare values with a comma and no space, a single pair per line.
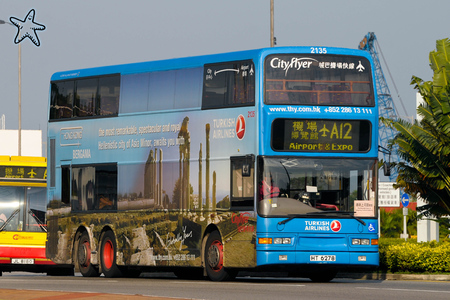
322,258
22,261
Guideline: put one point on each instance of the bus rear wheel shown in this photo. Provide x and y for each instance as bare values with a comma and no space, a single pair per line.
214,259
84,257
108,255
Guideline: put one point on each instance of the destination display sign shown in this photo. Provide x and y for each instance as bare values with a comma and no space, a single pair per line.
312,135
21,172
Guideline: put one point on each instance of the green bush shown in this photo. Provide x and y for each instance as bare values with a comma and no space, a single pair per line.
397,255
392,223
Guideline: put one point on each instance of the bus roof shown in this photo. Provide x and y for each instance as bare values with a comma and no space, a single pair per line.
197,61
6,160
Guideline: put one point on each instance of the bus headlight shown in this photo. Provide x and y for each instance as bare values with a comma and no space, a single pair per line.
275,241
361,242
365,242
284,241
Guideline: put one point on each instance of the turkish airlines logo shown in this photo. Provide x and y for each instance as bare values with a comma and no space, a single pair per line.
240,127
336,226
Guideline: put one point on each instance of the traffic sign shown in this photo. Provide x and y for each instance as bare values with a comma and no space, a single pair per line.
388,196
405,200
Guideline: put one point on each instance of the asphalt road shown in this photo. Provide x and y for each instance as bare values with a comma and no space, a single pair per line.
19,285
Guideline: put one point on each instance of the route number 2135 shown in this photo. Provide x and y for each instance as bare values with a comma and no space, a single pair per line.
319,50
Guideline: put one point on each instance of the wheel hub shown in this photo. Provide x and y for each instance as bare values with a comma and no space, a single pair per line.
215,255
83,254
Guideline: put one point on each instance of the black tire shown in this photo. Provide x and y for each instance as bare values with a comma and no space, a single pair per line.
83,257
214,259
108,251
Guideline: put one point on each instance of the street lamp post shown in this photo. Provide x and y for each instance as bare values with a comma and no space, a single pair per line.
20,94
272,38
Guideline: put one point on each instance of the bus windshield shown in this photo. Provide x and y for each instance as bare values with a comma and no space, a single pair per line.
307,185
15,215
306,79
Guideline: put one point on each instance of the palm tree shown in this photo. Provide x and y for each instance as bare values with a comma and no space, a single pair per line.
391,223
424,145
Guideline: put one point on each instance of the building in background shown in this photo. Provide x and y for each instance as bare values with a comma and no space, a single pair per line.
31,142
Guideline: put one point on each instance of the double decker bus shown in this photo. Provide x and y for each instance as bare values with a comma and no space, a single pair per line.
23,228
260,160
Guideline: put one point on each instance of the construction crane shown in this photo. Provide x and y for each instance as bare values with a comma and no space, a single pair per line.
386,104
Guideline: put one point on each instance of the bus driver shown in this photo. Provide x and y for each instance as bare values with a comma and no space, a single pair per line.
268,189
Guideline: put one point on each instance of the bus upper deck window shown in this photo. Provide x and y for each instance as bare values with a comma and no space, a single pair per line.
108,95
61,102
228,84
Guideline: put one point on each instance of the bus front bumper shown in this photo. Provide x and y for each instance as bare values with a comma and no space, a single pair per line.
317,257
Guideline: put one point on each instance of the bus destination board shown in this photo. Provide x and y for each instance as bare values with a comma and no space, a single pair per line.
21,172
313,135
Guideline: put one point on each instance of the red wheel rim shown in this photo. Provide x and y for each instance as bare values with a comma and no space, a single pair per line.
108,254
84,254
215,256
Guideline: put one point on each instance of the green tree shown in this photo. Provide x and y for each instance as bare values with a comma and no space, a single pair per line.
391,223
424,145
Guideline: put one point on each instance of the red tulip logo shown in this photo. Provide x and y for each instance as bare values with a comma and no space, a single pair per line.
336,226
240,127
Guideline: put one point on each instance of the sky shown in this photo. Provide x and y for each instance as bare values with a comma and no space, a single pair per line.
90,33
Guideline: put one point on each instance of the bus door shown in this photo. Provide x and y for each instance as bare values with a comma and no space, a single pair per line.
66,181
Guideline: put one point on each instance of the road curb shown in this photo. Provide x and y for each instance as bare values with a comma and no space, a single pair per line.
388,276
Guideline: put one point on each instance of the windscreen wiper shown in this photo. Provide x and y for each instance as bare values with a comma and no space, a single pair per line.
326,212
41,225
338,212
14,213
291,217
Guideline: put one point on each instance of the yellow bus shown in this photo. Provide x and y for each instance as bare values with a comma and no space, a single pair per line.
23,229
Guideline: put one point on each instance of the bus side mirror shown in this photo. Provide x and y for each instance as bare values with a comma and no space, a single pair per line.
245,170
387,169
386,165
247,165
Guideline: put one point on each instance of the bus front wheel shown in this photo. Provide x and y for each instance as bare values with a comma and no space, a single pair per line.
108,255
214,259
84,257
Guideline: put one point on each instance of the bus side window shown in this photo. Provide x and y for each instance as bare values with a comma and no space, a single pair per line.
106,189
85,97
61,103
81,98
94,187
228,84
242,182
108,96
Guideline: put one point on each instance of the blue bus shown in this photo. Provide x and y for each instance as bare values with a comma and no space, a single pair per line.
259,160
